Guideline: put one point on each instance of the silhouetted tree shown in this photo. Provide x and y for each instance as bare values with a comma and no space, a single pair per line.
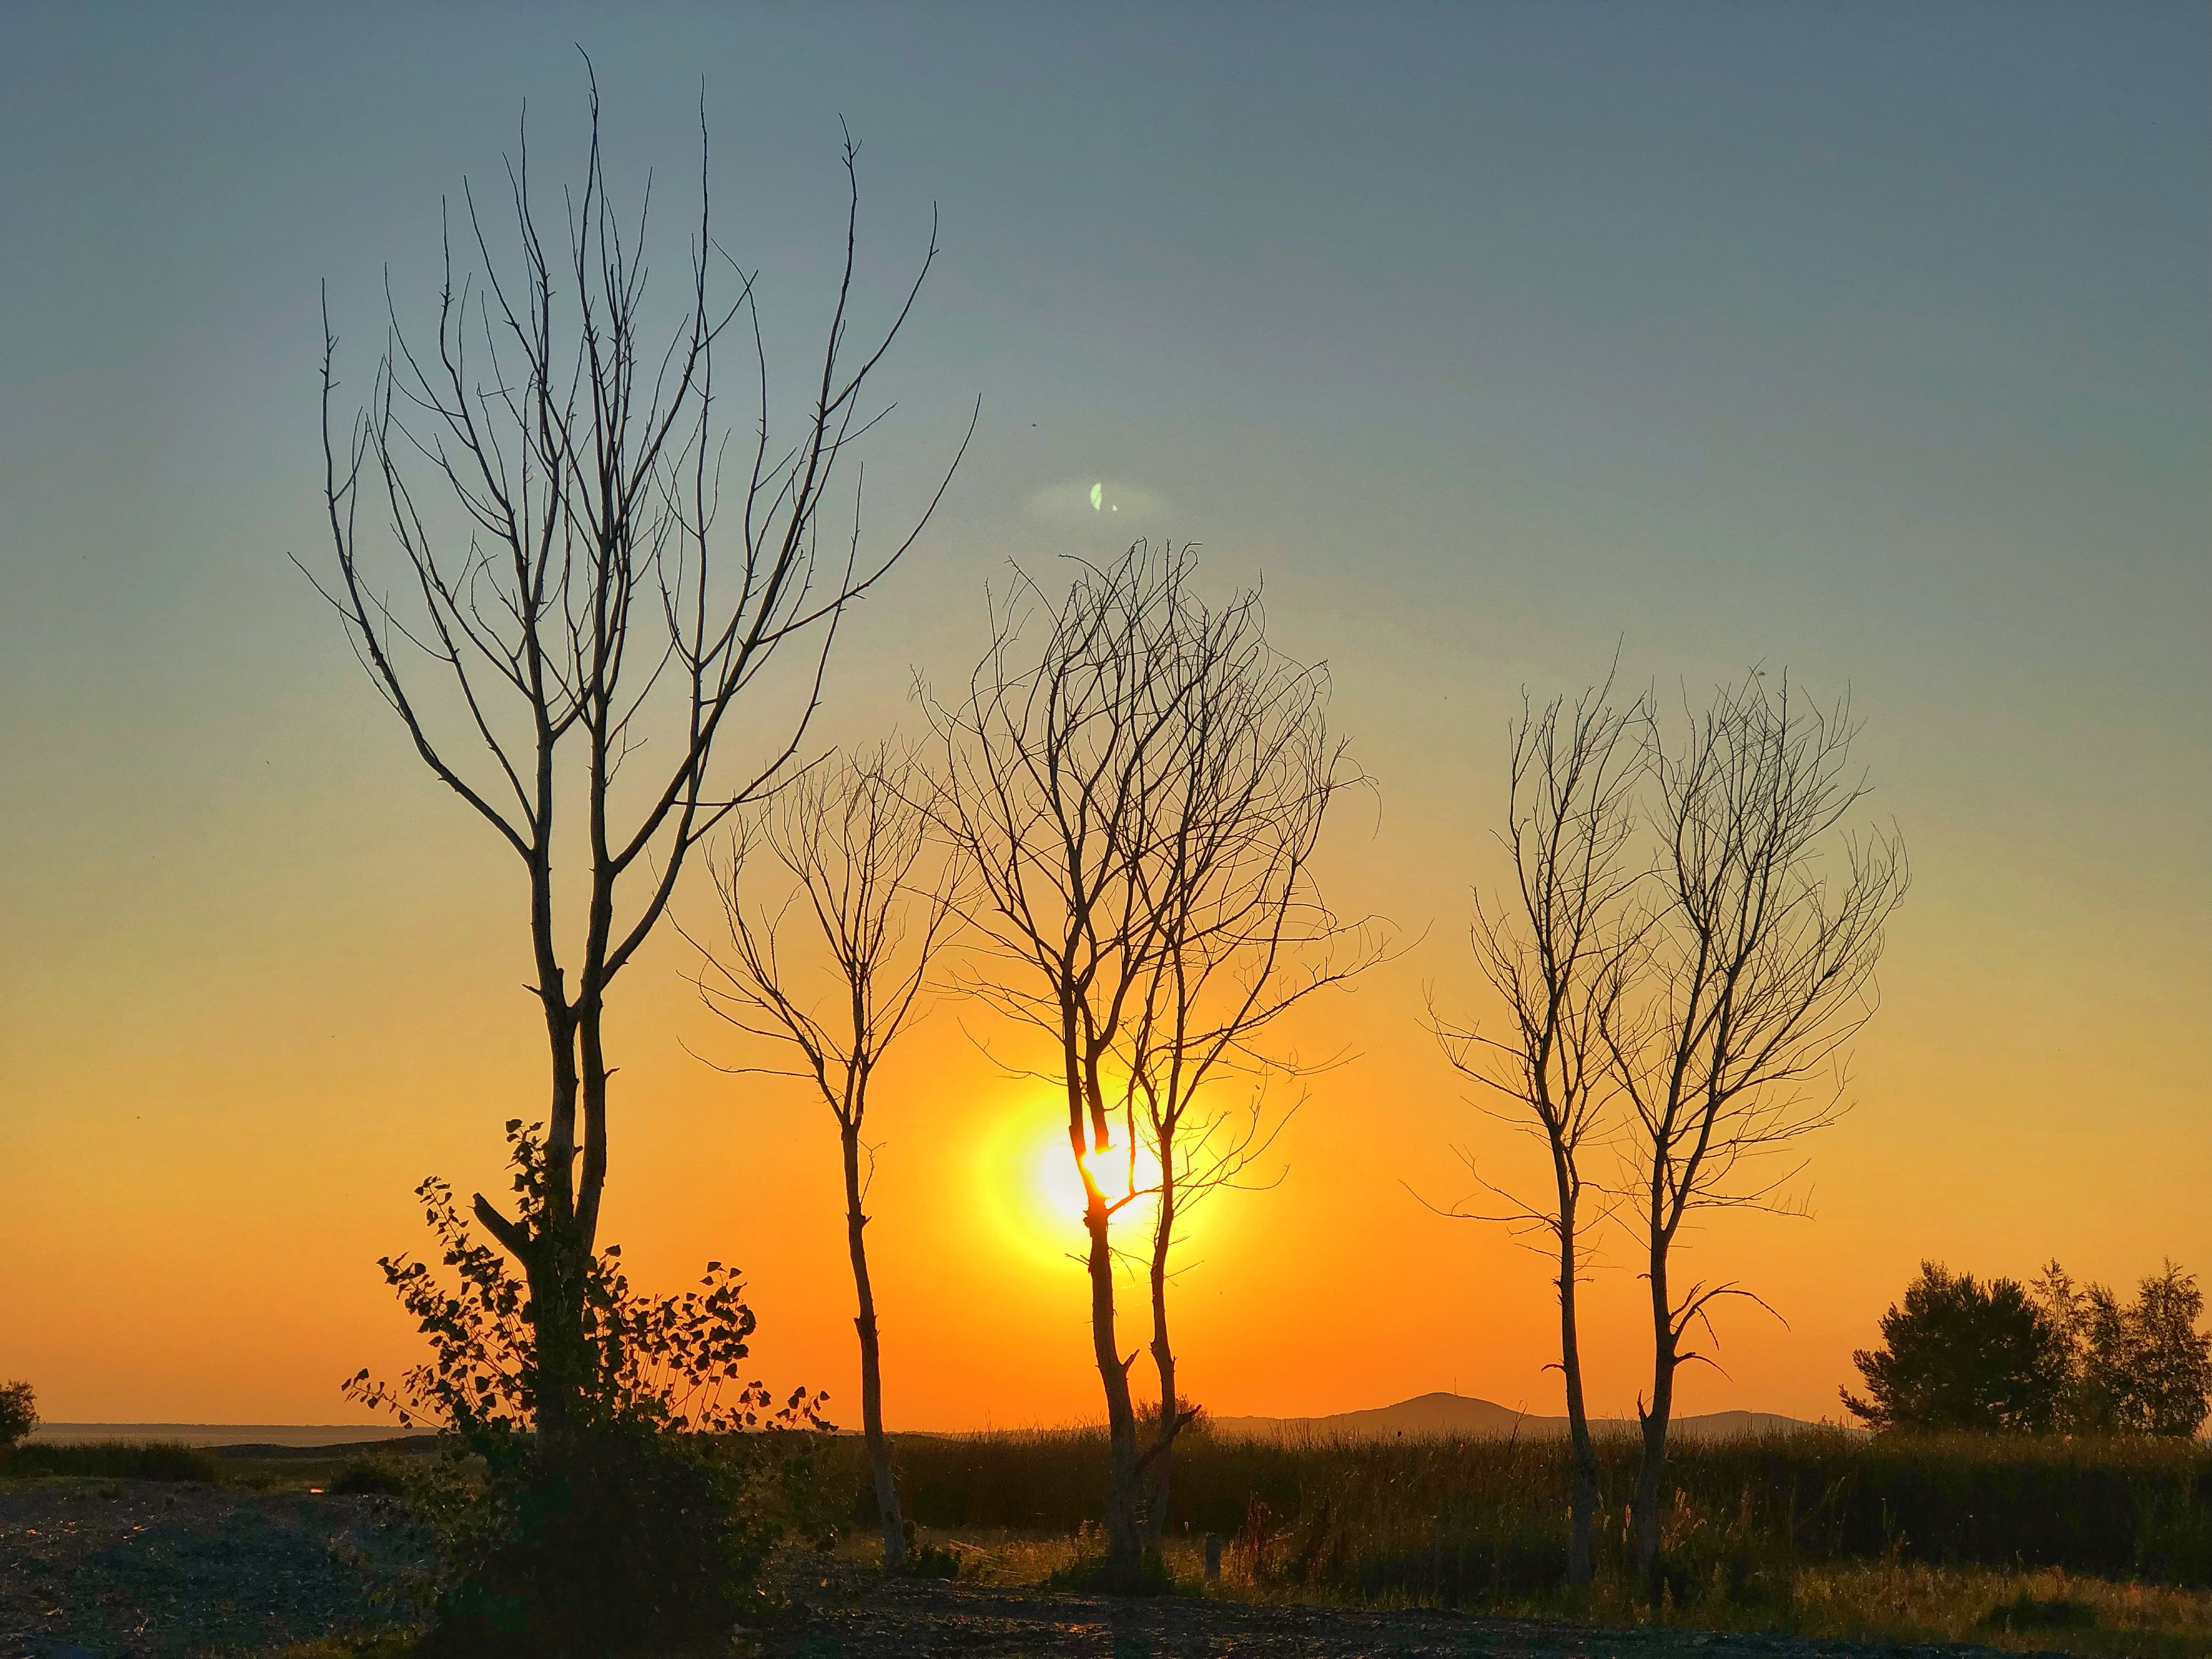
851,837
2140,1368
1962,1355
1762,924
1136,794
1247,773
642,1530
578,571
19,1412
1556,949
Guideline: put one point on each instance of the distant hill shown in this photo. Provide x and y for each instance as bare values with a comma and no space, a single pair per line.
1431,1415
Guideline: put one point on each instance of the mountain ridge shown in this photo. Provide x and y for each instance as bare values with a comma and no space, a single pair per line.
1442,1413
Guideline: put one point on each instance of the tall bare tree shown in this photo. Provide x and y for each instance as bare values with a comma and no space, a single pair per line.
1136,794
585,558
1553,947
1054,757
1764,922
851,837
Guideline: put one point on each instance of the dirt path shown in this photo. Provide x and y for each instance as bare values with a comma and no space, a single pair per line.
158,1570
855,1615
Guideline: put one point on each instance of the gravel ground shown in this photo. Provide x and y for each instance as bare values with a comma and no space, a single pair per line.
94,1569
857,1615
144,1570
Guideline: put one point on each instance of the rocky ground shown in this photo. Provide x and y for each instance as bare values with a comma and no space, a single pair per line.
93,1569
141,1570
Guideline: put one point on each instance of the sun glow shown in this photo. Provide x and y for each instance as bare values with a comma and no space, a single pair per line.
1028,1182
1059,1183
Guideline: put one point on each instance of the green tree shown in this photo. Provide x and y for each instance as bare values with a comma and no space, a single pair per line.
1961,1354
2138,1368
2168,1362
19,1412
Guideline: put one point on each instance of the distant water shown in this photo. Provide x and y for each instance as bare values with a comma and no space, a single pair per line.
223,1434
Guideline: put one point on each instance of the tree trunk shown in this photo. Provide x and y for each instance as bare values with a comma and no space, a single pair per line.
1649,1477
871,1379
1582,1501
557,1329
1163,1448
1124,1550
553,1258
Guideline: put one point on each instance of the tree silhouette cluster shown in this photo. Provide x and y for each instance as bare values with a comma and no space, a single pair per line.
593,570
1684,950
2047,1357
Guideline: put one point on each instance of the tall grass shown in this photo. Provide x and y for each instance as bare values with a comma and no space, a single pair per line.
1468,1523
112,1460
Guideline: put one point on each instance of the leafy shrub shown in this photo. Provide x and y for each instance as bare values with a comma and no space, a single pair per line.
19,1412
632,1539
361,1476
1088,1572
643,1524
923,1560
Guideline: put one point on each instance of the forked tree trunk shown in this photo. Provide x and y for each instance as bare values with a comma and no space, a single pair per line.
553,1245
871,1379
1651,1478
1124,1548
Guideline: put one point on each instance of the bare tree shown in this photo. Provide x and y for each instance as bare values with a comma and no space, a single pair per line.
1110,871
1764,922
1241,936
585,559
1553,949
1052,770
852,836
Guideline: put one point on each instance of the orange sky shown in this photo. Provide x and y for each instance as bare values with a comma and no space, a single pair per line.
234,1140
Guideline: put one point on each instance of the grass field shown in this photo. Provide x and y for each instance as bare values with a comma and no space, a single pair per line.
2091,1547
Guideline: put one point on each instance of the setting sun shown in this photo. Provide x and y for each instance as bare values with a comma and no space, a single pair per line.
1060,1187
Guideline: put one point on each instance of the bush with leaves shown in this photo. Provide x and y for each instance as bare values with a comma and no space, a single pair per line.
642,1525
19,1413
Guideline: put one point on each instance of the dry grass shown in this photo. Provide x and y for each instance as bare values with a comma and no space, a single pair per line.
1889,1602
2019,1612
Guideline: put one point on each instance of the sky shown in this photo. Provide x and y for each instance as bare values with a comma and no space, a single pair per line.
1874,341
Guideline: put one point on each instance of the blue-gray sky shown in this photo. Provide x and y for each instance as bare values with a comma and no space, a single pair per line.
1870,340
